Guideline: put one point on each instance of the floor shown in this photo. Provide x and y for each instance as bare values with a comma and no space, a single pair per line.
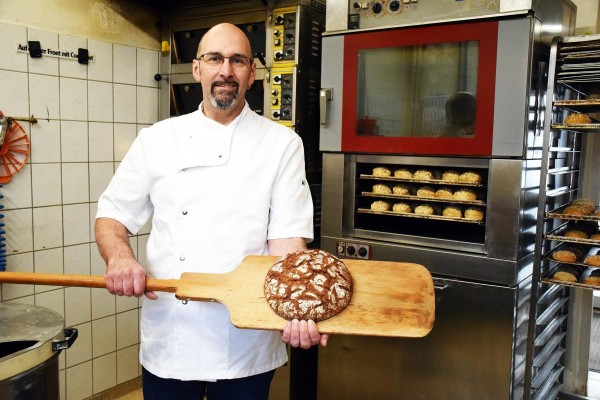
135,395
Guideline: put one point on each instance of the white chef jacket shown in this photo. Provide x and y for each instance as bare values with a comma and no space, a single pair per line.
216,194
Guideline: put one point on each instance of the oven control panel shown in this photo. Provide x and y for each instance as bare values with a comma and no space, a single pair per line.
353,250
381,13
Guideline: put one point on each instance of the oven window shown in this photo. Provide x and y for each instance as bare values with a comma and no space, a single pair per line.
418,91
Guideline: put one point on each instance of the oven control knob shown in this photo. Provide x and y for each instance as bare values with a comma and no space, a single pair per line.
276,32
362,252
356,6
274,92
277,78
394,5
279,20
278,55
277,42
276,115
275,102
351,250
377,8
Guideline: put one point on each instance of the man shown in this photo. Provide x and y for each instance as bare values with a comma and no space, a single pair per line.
220,183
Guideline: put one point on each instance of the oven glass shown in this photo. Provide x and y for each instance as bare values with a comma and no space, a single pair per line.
425,90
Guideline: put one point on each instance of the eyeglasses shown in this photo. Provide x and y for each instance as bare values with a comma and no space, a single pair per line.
216,60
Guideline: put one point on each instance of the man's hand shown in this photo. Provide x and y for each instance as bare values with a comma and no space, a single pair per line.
303,334
127,278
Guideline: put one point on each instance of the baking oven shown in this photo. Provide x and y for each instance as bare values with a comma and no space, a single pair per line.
431,133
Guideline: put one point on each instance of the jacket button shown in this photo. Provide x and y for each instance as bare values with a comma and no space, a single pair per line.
182,258
184,212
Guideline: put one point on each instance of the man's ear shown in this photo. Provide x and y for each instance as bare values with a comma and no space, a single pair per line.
196,70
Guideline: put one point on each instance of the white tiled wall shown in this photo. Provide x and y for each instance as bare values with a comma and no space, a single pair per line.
88,116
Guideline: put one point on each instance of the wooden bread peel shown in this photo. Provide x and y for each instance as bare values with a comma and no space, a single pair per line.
392,299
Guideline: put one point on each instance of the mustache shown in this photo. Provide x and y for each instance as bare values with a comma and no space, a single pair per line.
223,83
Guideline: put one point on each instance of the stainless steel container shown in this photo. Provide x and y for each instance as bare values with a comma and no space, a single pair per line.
31,339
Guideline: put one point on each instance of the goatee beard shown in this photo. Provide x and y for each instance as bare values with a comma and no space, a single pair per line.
227,100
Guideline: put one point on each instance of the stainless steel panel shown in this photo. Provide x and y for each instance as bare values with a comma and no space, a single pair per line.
468,355
332,76
511,97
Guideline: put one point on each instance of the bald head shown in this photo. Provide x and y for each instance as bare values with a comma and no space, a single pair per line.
221,37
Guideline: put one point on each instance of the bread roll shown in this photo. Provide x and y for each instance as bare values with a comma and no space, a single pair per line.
595,236
568,254
450,176
443,193
424,209
576,234
452,212
593,278
578,118
381,171
568,273
403,173
575,211
465,194
470,177
425,191
593,260
380,206
423,175
401,189
474,214
381,189
587,205
402,208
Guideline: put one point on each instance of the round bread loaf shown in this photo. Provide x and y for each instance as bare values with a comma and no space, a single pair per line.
381,171
569,254
575,211
593,278
308,284
450,176
465,194
578,118
593,260
381,189
402,207
576,234
444,193
403,173
452,212
423,175
425,191
380,205
470,177
585,204
595,236
474,214
401,189
568,273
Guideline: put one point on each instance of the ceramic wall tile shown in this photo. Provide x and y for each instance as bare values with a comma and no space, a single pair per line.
45,141
100,176
48,262
46,184
19,222
15,87
125,134
93,212
44,96
81,350
103,303
44,65
127,329
100,101
79,381
147,105
53,300
101,69
47,227
125,303
13,35
70,67
127,364
73,99
74,141
77,259
124,64
18,192
75,185
78,305
125,103
104,340
76,225
147,67
101,141
18,263
105,372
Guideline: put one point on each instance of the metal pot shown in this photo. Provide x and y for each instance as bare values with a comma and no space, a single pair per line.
31,339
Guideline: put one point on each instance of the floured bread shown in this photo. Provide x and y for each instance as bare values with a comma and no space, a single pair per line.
308,284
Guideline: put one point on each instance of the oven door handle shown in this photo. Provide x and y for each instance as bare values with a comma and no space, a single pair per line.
326,94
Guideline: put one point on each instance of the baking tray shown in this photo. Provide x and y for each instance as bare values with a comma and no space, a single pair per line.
547,278
431,181
478,203
592,128
420,216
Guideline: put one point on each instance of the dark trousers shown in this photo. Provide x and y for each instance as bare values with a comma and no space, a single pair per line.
255,387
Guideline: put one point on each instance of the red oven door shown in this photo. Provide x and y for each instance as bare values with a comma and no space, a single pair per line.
424,90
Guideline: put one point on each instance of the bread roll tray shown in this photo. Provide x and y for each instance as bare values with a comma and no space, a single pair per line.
547,278
421,216
390,299
424,181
